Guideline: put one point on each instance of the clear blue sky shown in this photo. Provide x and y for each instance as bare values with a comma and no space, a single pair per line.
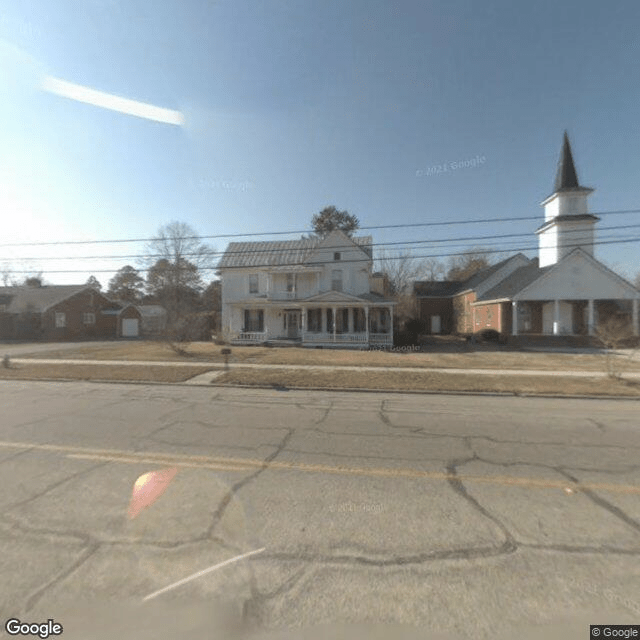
291,106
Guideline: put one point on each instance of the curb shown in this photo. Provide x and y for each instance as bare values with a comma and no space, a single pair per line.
497,394
494,394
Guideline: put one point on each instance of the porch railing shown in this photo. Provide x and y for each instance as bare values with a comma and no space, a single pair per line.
250,336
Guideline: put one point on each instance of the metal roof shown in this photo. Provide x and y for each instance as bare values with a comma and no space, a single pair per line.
278,253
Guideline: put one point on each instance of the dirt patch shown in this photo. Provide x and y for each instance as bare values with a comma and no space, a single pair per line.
129,373
428,381
481,357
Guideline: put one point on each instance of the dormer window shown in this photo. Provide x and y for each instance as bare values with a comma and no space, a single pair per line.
253,283
336,255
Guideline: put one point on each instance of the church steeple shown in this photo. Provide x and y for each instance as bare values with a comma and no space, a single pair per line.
566,176
567,221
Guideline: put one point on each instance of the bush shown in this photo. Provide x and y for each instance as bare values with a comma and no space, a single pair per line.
489,335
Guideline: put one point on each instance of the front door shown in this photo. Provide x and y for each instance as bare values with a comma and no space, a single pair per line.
293,318
435,324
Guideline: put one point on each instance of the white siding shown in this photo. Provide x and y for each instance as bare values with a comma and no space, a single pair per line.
578,278
548,246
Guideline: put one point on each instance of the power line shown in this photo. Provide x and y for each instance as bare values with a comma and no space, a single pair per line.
275,233
379,259
285,249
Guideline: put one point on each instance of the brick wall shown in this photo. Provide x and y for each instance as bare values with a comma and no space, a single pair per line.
75,327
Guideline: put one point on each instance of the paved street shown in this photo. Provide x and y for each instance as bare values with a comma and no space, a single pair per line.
465,515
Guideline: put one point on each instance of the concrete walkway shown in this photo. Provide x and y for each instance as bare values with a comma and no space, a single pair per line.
220,365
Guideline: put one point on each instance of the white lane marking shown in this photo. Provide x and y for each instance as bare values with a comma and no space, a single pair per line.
202,573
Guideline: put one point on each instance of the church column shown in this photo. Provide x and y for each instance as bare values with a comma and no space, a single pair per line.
634,316
556,317
590,317
514,318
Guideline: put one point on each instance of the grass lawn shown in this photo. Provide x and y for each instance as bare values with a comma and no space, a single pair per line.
101,372
481,357
428,381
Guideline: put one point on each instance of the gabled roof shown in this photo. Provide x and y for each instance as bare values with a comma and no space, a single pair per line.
436,288
515,282
480,276
278,252
38,299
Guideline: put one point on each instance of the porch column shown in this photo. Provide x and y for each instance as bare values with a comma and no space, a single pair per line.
634,316
556,317
366,322
304,322
334,317
590,317
391,321
514,318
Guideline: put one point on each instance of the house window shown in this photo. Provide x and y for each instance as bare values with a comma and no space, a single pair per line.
336,255
359,320
61,320
253,283
330,320
336,280
290,282
88,318
254,320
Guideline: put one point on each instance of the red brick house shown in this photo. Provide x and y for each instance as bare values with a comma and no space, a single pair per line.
563,291
64,312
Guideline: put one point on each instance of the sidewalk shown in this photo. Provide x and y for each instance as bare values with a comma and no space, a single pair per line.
220,365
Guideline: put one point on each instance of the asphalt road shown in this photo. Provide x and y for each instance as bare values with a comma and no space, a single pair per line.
472,516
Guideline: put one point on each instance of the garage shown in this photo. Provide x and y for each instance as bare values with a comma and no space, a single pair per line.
130,327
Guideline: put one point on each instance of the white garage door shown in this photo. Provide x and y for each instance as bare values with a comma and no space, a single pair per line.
129,327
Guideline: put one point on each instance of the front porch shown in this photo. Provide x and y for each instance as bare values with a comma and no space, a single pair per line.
568,317
331,327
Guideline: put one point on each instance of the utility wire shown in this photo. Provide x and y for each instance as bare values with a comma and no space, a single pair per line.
402,243
361,260
304,231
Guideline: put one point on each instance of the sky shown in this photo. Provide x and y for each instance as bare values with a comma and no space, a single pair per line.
280,108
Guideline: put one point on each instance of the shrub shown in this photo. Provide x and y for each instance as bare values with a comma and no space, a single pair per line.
489,335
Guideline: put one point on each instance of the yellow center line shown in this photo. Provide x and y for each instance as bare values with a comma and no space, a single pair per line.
248,464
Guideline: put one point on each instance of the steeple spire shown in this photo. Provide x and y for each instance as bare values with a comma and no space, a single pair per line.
566,176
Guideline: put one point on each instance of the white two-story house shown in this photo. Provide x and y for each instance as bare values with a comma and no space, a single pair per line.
313,292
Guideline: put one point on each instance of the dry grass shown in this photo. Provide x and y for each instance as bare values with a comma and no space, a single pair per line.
483,357
100,372
427,381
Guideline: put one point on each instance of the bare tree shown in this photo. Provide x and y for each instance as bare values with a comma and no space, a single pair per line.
6,272
614,334
403,269
464,265
174,260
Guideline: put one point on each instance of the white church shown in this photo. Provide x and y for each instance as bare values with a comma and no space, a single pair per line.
564,291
